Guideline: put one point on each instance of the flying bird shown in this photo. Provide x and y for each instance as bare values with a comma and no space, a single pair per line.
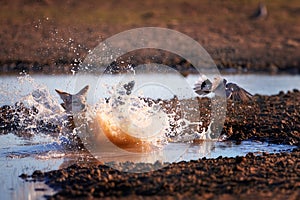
221,87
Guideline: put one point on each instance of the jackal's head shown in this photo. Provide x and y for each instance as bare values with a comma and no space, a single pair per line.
73,103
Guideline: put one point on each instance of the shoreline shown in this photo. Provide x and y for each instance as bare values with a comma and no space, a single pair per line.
270,176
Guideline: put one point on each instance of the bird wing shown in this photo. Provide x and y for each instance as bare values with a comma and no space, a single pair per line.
236,93
203,85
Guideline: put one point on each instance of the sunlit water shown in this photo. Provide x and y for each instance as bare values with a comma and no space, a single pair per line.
46,153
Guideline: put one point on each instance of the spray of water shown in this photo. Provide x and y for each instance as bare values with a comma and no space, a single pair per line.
33,111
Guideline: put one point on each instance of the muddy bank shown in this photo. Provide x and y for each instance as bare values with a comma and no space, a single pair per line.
273,118
267,176
54,36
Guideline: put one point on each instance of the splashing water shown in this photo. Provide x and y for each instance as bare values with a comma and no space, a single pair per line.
40,98
135,123
140,120
37,112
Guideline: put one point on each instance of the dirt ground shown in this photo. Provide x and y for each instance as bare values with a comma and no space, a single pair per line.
49,36
268,176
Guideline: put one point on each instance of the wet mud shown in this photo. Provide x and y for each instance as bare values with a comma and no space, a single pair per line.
266,176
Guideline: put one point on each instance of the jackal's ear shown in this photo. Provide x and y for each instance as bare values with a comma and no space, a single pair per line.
66,97
83,91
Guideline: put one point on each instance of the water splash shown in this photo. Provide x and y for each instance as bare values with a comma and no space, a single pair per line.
154,121
34,112
134,123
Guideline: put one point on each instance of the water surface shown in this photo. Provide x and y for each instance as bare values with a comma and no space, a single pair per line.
11,89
